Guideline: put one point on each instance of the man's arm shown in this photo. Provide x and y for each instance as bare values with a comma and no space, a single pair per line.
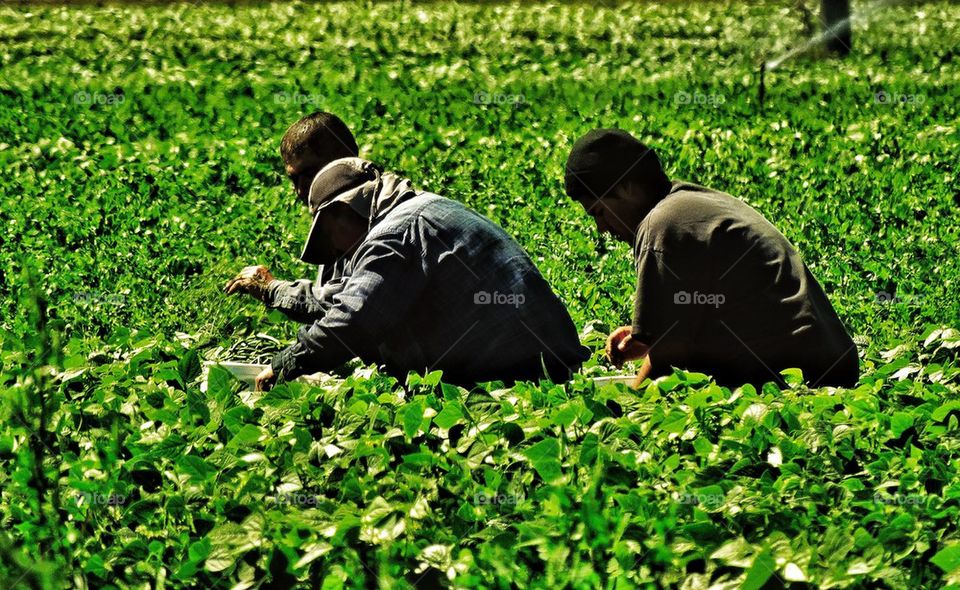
646,372
386,282
665,314
298,300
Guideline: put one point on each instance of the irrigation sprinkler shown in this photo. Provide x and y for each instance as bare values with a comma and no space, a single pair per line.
830,35
762,92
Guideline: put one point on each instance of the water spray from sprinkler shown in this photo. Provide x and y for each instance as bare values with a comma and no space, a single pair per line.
816,40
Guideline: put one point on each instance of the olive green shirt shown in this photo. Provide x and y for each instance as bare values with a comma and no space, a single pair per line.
721,291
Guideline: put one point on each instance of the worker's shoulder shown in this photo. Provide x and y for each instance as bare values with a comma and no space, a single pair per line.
687,202
426,204
442,212
696,212
426,208
405,213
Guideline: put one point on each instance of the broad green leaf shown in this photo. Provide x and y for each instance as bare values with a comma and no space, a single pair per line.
948,558
545,458
449,415
247,436
189,366
760,571
219,383
200,549
900,421
675,421
196,468
412,414
736,552
566,415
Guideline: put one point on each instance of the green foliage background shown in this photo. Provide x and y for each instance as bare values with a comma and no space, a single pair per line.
141,170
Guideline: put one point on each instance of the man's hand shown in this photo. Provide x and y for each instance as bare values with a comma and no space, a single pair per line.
623,347
253,280
265,380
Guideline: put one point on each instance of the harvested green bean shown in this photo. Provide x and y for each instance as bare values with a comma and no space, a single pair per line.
258,349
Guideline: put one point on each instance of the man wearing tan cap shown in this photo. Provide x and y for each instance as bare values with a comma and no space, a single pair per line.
423,283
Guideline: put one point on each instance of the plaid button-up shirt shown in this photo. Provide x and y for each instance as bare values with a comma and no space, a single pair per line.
307,301
434,285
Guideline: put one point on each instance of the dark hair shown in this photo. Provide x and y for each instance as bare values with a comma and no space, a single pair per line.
605,158
649,174
321,135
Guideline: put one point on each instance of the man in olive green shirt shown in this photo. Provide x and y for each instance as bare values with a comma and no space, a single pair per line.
719,289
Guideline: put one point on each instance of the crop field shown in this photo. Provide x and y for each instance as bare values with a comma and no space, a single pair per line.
139,149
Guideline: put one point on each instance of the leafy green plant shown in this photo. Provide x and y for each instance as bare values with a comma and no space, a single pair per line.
141,171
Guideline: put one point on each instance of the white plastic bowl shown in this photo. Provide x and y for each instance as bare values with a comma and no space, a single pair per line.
614,379
247,373
244,372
